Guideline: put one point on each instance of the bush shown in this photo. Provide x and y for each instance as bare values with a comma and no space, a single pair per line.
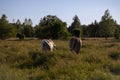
114,55
20,36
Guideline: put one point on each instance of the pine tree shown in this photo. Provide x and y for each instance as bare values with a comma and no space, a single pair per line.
107,25
28,30
7,30
75,25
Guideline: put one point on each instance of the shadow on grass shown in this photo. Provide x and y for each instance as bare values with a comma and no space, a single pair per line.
25,39
115,69
114,55
37,59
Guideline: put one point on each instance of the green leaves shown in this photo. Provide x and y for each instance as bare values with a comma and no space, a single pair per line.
107,25
6,29
51,27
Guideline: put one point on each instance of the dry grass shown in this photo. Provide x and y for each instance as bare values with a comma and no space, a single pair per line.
99,59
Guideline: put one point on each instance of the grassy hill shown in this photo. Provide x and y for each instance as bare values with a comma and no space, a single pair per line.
99,59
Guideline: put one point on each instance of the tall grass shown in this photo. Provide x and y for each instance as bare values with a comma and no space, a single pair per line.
99,59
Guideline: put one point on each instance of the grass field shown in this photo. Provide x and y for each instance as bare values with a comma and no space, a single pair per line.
99,59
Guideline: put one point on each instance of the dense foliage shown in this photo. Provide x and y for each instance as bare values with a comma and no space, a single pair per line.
6,30
105,28
52,27
107,25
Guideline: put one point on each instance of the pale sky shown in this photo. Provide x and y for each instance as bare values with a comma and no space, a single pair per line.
86,10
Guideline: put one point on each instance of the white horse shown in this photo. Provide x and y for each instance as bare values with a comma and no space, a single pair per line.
47,45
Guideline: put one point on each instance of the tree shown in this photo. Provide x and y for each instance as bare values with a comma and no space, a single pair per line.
28,30
117,32
59,30
75,25
92,29
51,27
20,36
6,29
19,26
107,25
85,30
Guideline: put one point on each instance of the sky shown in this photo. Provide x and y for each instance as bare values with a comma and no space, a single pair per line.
87,10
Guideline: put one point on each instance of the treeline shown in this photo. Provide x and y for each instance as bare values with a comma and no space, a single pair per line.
52,27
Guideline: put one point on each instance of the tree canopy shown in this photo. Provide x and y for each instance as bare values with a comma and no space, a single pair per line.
107,25
51,26
6,30
75,24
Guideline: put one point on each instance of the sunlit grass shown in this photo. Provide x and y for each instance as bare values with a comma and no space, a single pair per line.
99,59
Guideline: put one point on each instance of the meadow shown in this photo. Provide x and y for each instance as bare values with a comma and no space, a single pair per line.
99,59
